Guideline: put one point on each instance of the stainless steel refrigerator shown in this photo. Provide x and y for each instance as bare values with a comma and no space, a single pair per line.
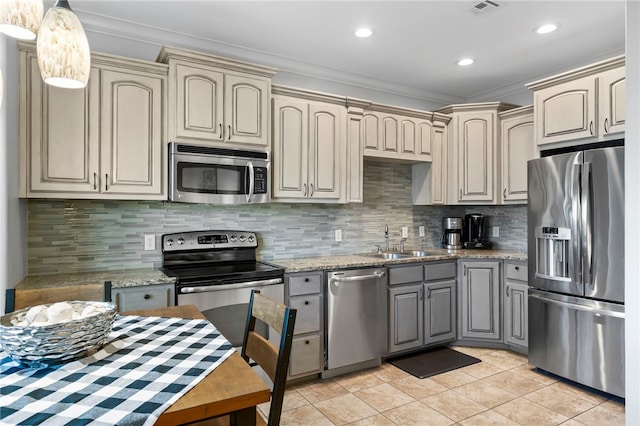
576,266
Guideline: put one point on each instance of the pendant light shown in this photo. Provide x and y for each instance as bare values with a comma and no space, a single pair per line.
63,49
20,18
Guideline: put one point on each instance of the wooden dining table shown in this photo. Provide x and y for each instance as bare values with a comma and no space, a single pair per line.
232,388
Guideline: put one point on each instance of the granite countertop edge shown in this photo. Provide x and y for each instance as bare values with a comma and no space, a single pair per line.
142,277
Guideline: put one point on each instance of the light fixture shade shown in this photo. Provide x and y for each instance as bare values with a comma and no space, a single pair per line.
63,50
21,18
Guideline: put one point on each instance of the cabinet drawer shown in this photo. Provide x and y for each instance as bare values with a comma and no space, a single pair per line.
305,355
439,271
143,297
308,315
517,271
406,274
305,284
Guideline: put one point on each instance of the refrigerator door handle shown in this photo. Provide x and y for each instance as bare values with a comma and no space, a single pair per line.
576,229
587,225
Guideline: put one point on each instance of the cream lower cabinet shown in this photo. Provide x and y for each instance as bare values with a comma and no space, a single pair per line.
217,100
309,151
104,141
474,173
580,106
304,293
518,146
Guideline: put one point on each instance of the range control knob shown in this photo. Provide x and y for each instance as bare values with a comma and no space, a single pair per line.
233,238
251,238
180,241
241,238
169,242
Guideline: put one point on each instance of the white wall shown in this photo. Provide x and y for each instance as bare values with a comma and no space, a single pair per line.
632,204
13,211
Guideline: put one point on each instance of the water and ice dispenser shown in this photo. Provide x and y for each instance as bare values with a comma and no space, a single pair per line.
552,252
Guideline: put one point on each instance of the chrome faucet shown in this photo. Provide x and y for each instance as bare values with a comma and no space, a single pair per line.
386,238
402,240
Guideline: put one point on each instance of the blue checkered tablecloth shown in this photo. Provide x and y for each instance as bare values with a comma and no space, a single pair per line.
147,364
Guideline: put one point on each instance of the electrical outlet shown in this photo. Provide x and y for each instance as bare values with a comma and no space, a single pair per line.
149,242
496,231
338,235
421,230
405,232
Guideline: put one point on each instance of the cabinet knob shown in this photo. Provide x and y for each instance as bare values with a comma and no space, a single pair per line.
517,268
306,280
306,342
306,302
147,296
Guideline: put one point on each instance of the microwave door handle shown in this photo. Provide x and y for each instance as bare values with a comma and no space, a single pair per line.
251,179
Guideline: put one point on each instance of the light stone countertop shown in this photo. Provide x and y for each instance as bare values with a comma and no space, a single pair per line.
365,260
119,279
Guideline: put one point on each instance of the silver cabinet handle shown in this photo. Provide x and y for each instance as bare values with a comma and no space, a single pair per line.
465,270
95,181
606,125
506,291
106,181
305,190
428,293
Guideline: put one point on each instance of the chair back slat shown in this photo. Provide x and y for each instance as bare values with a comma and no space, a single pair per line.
263,352
269,311
26,298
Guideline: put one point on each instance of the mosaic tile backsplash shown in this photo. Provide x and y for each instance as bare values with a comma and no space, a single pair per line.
90,235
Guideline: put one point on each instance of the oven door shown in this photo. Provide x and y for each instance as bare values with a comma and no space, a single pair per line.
218,179
226,306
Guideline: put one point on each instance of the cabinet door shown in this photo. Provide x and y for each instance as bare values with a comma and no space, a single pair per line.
424,136
389,132
408,136
198,103
246,103
439,164
476,150
306,355
480,307
290,148
612,108
518,147
566,111
439,312
63,148
131,134
405,317
371,132
326,146
516,312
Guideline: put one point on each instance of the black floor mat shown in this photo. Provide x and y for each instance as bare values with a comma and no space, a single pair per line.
432,361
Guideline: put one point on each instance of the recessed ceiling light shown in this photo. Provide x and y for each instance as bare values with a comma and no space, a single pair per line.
364,32
546,28
465,62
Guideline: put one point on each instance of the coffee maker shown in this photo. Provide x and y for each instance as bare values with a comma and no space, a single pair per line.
452,235
473,234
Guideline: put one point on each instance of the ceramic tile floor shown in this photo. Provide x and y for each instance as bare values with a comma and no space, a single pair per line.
503,389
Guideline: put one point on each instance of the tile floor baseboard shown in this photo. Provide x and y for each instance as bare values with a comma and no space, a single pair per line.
503,389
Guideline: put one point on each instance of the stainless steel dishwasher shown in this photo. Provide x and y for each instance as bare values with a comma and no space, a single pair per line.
356,319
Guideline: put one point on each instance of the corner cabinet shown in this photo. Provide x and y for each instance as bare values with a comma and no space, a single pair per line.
217,100
304,293
309,148
518,146
480,307
581,106
101,142
473,150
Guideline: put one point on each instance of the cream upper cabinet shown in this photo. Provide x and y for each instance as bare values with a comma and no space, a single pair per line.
309,150
215,100
474,174
580,106
104,141
518,146
393,134
429,180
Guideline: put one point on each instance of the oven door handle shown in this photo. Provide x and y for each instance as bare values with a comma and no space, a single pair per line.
234,286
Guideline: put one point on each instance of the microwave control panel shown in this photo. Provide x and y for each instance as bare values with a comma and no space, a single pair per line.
260,180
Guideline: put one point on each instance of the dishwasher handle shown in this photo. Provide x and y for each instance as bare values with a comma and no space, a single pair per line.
376,275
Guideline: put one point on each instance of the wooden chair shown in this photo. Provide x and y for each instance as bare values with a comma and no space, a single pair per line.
25,298
274,361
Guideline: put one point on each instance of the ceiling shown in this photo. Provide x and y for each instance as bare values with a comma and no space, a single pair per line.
413,50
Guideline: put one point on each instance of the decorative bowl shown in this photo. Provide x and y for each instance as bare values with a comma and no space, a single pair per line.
37,346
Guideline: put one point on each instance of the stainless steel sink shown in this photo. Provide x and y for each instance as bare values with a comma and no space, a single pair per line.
418,253
389,256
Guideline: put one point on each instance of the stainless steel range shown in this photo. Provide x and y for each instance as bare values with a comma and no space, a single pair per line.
216,271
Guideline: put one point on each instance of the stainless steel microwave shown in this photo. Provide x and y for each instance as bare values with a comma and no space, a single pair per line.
208,175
